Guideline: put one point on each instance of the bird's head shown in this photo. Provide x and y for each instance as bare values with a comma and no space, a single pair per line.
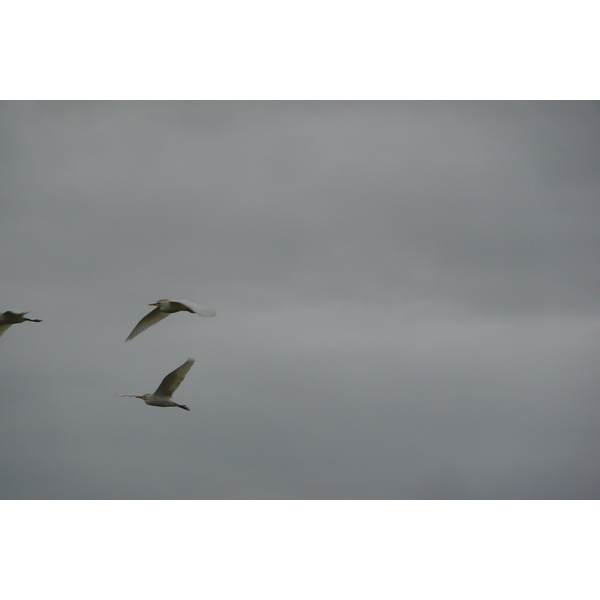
158,302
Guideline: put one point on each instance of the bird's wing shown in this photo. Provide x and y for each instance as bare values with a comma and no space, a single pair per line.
171,382
153,317
3,328
125,395
203,311
9,317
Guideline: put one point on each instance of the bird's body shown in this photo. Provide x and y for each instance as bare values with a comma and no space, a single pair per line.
164,392
9,318
166,307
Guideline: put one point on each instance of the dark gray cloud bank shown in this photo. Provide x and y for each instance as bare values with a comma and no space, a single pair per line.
408,299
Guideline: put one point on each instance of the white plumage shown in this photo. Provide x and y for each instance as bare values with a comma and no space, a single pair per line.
162,395
166,307
9,318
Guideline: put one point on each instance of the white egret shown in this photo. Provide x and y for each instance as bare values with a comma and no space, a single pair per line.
9,318
164,308
162,396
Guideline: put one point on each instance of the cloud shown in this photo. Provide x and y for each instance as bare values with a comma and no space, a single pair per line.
405,294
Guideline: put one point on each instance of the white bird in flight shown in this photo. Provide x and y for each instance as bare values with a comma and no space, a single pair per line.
164,308
9,318
162,395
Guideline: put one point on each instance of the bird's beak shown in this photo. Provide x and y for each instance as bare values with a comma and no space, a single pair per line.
153,304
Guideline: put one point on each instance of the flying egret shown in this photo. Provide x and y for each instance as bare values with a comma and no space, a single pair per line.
162,396
164,308
9,318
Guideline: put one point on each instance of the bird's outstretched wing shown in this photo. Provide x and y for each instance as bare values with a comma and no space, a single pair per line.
125,395
153,317
3,328
171,382
10,317
203,311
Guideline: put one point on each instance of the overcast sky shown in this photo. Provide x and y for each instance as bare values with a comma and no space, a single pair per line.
407,297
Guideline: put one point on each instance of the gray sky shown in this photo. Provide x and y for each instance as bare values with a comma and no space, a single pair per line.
407,299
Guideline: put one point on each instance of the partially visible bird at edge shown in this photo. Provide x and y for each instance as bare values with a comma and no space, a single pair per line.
162,395
9,318
166,307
